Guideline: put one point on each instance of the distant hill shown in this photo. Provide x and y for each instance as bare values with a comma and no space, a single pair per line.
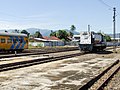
44,32
117,35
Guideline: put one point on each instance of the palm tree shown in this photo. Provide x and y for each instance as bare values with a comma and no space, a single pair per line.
25,32
72,28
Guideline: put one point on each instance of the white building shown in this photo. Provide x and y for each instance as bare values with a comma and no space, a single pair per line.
46,41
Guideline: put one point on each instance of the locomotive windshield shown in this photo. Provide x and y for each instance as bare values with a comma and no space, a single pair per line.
85,33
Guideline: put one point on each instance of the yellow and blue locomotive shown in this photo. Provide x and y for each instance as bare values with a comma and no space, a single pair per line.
13,41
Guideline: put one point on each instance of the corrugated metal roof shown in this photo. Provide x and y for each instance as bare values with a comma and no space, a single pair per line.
52,38
47,39
40,39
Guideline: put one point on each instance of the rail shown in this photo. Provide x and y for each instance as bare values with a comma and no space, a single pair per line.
15,65
100,84
38,52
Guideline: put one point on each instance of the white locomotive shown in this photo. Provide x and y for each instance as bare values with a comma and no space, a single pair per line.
91,41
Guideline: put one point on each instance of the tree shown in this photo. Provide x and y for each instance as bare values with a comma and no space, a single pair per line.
53,34
38,34
16,31
72,28
108,38
71,34
61,34
25,32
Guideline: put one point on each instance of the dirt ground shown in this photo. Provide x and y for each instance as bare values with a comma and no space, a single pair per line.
67,74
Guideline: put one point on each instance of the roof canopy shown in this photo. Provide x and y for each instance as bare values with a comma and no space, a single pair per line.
12,34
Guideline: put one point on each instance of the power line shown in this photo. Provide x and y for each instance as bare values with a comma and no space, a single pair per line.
101,1
118,14
105,4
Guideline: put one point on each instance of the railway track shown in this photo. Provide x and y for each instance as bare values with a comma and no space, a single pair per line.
37,52
20,64
100,81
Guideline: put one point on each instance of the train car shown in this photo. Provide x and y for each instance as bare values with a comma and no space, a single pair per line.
91,41
13,41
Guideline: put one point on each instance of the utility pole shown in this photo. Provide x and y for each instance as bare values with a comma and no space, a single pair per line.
114,46
88,28
119,38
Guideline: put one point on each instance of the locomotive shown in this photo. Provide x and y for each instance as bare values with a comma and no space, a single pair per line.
91,41
13,41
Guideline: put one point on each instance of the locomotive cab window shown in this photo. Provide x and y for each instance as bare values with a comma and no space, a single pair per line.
2,40
85,33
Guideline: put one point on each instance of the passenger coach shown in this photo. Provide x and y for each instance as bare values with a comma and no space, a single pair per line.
13,41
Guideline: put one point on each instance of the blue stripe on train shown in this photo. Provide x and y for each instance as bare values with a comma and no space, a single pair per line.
12,46
23,43
18,43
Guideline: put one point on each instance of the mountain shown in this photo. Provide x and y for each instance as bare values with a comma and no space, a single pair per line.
117,35
44,32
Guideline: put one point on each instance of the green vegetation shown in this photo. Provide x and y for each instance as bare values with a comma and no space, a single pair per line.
72,28
16,31
53,34
25,32
61,34
37,34
108,38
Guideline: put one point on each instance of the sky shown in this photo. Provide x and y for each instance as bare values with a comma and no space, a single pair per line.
60,14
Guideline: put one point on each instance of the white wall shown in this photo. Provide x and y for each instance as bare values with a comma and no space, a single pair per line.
43,44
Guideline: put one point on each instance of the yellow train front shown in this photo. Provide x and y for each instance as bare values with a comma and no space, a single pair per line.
13,41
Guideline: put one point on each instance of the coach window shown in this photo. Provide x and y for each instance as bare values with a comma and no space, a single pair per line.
9,40
2,40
